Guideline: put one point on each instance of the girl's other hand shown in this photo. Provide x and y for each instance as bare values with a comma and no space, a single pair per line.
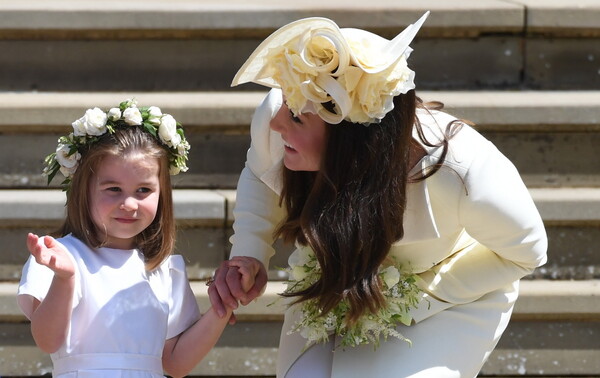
48,252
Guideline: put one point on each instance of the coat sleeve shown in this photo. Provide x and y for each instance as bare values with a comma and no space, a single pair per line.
498,212
257,211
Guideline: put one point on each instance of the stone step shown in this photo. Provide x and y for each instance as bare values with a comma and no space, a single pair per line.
549,135
70,45
554,331
572,217
237,17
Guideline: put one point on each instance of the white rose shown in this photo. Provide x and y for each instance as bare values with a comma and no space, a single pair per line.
63,157
154,115
67,172
176,140
79,127
129,103
391,276
132,116
167,131
173,170
182,148
300,257
95,121
299,273
68,163
114,114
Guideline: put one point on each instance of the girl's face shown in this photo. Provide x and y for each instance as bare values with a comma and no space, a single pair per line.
124,195
304,138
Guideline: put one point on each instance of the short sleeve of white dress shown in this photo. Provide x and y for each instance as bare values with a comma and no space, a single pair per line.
183,308
35,283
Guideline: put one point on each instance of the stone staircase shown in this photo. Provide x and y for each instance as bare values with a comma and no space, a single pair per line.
527,72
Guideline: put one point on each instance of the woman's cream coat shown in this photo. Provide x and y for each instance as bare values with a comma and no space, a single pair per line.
470,229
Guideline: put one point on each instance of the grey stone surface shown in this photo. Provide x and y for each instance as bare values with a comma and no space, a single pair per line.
572,251
554,15
193,64
572,216
154,65
545,133
583,206
43,113
544,156
494,15
249,349
562,63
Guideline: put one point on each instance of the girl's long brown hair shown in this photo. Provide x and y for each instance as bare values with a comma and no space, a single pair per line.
352,210
157,241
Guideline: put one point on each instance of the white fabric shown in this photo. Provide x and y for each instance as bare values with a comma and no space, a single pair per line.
121,314
471,231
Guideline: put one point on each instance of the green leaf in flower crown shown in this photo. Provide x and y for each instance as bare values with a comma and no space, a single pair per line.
66,185
52,170
150,128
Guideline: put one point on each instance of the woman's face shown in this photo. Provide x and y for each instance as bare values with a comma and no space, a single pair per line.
303,136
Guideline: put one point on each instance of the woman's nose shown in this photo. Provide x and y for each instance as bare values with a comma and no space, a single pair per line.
276,125
278,122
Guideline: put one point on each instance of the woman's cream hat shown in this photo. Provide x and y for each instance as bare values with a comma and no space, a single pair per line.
314,62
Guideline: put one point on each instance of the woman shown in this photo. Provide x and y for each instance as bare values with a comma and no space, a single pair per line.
350,165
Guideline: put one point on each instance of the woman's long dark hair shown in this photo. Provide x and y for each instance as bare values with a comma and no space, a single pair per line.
352,210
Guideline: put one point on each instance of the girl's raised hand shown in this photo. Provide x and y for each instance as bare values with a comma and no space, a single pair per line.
49,253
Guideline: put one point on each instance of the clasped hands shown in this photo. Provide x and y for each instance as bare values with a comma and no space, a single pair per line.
239,280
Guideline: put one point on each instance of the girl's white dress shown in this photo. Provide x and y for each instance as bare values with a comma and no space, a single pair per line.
471,231
122,314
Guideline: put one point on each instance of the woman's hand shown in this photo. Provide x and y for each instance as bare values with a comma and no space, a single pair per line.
230,281
50,254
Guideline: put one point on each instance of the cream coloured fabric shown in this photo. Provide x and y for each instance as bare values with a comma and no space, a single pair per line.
471,231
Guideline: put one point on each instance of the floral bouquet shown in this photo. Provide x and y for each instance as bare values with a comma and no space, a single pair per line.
399,290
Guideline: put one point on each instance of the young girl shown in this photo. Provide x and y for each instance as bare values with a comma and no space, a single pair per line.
107,297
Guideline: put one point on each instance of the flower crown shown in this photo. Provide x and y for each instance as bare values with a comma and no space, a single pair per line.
96,122
315,62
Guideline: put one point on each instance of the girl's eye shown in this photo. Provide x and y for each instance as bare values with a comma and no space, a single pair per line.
294,118
144,190
113,189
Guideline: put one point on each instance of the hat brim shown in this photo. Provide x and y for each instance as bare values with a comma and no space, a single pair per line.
253,66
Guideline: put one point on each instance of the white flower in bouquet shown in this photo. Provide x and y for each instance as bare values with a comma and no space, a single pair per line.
391,276
400,294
